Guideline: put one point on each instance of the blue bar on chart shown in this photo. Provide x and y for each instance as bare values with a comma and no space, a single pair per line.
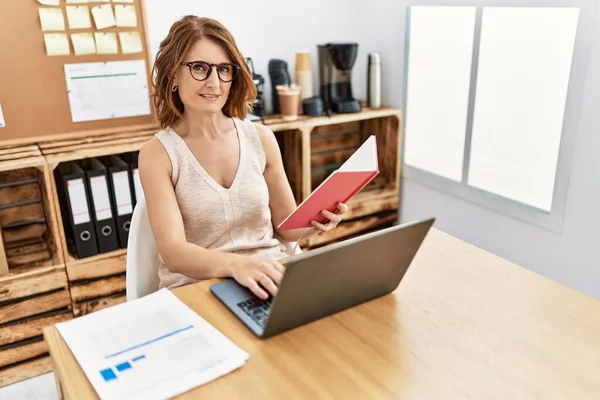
123,366
138,358
108,374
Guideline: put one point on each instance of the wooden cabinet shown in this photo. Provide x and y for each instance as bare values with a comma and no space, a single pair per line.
314,147
34,289
42,283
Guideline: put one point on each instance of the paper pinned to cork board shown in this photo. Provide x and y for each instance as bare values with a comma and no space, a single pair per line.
106,42
79,17
83,43
49,2
57,44
106,90
51,19
131,42
125,16
103,16
2,122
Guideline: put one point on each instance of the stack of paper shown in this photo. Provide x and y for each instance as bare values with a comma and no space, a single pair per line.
151,348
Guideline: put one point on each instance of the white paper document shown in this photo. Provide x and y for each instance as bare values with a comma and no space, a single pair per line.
105,90
155,347
2,123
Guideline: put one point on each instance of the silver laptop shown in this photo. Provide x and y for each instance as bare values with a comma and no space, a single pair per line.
328,280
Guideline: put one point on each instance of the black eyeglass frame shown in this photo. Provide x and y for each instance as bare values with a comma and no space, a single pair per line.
189,64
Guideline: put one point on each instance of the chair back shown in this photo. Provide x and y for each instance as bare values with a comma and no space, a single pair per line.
142,255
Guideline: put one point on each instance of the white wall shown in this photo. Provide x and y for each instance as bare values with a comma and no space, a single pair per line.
571,257
264,31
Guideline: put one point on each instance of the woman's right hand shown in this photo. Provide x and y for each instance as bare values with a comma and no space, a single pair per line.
261,277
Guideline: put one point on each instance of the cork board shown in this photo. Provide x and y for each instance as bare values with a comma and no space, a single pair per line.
33,89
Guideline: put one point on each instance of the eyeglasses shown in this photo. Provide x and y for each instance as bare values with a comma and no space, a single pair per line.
201,70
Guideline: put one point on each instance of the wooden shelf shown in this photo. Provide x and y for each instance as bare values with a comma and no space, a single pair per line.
19,157
72,261
372,202
277,124
97,282
20,372
59,151
314,146
91,306
29,229
18,285
30,301
34,289
296,141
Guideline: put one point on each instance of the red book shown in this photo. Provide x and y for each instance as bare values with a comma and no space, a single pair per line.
339,187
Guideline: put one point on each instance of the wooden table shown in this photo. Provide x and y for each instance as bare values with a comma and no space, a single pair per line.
462,324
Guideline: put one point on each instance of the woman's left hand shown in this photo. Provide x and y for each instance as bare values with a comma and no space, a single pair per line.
334,218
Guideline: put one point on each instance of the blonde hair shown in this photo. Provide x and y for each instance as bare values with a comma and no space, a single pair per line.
182,36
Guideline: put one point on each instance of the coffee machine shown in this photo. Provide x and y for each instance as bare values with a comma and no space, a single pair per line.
335,73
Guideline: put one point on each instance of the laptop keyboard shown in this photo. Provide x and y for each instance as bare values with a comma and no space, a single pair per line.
257,309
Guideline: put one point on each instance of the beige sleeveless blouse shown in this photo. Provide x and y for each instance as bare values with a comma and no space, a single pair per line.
235,220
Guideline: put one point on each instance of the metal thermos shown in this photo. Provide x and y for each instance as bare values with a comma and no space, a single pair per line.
374,81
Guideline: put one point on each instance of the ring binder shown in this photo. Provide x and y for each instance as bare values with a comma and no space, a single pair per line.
121,195
132,160
73,198
101,205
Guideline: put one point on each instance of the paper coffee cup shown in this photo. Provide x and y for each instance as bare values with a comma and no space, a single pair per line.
288,105
303,61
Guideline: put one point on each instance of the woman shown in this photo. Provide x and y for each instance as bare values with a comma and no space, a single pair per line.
214,182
